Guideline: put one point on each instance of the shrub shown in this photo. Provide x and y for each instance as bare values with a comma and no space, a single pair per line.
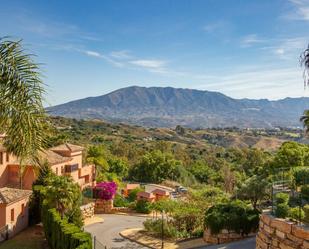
301,175
282,210
155,226
234,216
106,190
305,192
133,193
63,235
296,213
294,201
281,198
143,206
120,201
306,213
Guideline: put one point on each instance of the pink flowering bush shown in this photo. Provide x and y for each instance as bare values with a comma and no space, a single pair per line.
106,190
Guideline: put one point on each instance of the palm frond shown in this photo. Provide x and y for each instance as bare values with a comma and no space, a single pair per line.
304,61
22,115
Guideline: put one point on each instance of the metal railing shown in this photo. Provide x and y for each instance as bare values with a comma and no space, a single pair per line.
4,233
284,182
97,244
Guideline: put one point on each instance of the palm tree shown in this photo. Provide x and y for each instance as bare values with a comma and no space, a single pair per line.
305,119
21,94
304,60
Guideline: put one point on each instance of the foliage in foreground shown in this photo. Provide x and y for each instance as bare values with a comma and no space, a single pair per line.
61,234
234,216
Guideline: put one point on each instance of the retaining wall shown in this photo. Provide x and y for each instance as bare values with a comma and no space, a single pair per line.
275,233
224,236
87,210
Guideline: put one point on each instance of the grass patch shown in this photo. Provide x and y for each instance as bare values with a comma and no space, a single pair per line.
31,238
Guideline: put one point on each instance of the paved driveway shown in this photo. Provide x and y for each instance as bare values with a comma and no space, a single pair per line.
107,233
243,244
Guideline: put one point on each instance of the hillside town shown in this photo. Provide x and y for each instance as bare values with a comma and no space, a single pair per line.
164,124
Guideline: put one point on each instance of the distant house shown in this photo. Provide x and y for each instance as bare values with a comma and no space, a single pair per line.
65,160
152,187
14,209
146,196
129,187
160,194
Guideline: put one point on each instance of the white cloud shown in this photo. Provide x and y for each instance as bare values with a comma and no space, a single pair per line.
93,54
300,10
271,83
150,64
250,40
286,48
279,51
121,54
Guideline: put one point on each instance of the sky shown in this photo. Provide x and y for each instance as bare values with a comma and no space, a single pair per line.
242,48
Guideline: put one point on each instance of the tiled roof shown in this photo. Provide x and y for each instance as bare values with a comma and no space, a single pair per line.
9,195
160,192
131,186
67,147
54,158
51,157
145,195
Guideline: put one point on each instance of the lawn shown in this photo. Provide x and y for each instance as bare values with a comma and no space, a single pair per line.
31,238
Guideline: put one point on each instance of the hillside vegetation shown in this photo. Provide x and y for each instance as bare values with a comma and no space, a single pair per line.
168,107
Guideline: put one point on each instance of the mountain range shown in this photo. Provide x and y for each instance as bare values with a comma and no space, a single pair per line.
168,107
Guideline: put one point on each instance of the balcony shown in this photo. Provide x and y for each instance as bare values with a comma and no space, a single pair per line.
86,170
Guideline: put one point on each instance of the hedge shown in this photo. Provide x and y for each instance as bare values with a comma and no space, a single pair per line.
63,235
234,216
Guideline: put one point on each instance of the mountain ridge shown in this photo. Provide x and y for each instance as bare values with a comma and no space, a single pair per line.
168,107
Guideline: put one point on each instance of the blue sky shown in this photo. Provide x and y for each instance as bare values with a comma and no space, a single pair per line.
242,48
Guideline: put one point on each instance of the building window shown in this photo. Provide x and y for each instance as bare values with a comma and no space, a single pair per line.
1,157
71,168
56,171
12,214
23,209
7,157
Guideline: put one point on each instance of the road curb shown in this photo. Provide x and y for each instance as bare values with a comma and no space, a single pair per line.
135,241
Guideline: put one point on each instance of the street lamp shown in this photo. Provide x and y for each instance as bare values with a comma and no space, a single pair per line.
162,229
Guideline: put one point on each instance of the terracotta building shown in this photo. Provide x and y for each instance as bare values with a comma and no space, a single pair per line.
65,159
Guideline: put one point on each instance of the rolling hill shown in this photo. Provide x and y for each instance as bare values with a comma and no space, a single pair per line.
168,107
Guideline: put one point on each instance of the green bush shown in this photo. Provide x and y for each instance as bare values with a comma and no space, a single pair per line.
63,235
306,213
155,226
305,192
301,175
120,201
294,201
296,213
282,210
143,206
281,198
234,216
133,193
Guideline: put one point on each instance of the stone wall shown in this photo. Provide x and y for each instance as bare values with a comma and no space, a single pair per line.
104,207
275,233
224,236
87,210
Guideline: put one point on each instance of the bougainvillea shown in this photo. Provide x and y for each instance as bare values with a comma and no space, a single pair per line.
106,190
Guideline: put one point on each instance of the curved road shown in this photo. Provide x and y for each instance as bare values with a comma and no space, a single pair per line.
107,232
242,244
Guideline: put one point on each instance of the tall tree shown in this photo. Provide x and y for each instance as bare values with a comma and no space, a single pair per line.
21,94
304,60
